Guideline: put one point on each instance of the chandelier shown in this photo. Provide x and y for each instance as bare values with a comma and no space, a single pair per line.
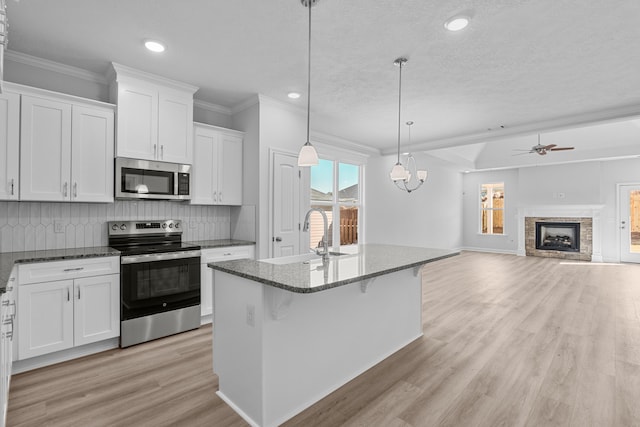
400,175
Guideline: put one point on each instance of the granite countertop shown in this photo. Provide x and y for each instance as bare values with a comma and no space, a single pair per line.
360,263
220,243
9,259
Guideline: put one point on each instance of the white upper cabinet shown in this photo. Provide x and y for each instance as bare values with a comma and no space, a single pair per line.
155,116
217,167
9,145
66,149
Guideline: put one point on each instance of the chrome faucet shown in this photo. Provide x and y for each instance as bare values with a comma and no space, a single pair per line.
325,240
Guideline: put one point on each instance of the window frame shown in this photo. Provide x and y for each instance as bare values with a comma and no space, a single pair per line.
491,209
336,204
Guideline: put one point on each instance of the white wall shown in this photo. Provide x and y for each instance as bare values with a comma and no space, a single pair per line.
579,184
248,121
471,210
34,76
429,217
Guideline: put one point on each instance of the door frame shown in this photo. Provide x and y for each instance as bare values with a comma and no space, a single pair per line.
619,214
304,195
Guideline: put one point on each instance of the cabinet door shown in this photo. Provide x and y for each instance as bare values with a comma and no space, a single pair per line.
96,308
137,121
206,290
92,154
45,316
9,145
204,169
230,171
175,127
45,158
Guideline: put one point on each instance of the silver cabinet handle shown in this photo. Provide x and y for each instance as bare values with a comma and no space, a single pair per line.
215,197
162,151
64,189
75,189
220,196
78,292
12,185
155,151
68,295
73,269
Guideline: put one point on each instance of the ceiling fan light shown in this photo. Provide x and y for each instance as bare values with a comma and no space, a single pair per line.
308,155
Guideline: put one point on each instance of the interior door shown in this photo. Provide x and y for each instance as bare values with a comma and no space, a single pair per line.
286,205
629,197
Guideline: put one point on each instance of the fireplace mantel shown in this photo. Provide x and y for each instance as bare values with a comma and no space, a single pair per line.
562,211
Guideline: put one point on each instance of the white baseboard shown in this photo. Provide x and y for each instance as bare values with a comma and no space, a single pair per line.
490,250
63,355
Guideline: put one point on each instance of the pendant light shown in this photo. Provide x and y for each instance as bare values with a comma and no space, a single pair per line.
400,175
308,155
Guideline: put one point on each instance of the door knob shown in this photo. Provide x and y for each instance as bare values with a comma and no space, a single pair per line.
278,239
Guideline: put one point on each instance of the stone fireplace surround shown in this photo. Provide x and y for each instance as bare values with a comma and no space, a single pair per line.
590,229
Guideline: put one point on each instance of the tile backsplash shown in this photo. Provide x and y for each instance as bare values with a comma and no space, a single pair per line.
31,225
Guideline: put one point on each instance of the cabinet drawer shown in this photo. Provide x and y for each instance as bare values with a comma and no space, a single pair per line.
226,253
67,269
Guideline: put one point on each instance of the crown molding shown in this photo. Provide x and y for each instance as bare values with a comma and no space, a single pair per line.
560,123
118,72
56,67
208,106
335,142
248,103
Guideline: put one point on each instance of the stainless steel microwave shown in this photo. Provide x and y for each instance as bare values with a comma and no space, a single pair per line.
145,179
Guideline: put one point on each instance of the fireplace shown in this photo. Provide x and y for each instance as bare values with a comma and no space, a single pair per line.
558,236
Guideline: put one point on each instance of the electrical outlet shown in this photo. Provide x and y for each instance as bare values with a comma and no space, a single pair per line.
58,226
251,315
560,195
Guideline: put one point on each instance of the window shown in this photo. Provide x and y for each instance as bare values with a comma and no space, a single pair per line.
335,189
492,208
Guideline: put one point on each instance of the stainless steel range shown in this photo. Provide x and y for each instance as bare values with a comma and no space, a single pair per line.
159,279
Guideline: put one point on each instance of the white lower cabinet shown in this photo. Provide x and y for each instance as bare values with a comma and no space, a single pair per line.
7,322
227,253
60,314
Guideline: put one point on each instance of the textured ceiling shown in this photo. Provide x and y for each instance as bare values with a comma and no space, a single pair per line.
519,64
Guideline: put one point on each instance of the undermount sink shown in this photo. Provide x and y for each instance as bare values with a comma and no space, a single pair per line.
305,258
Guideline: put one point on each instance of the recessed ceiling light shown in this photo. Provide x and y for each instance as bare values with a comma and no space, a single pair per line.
154,46
457,23
293,95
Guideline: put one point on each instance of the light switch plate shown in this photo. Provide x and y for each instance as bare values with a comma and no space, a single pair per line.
58,226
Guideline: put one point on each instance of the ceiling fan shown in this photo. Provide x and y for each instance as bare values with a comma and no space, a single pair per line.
543,149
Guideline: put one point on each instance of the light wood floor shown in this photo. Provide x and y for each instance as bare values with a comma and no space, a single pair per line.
509,341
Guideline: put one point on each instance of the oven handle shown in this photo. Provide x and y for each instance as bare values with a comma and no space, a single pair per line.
136,259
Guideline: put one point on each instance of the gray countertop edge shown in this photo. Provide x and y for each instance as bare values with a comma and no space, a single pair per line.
9,259
220,243
327,286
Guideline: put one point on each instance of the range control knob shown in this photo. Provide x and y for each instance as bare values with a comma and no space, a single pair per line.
123,227
114,227
170,225
164,225
177,225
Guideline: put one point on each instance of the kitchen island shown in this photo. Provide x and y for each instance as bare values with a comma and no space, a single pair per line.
288,331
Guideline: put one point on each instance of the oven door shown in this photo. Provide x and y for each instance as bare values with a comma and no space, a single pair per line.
151,284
